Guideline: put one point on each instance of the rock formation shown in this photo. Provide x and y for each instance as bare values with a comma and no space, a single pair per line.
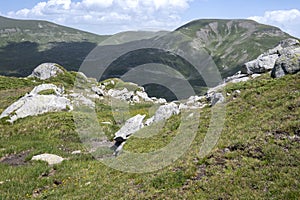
46,71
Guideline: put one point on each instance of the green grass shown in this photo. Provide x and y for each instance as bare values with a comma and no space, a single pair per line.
256,156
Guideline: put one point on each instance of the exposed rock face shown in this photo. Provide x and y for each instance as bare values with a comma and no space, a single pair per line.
261,65
51,159
34,104
194,102
288,63
217,98
125,94
164,112
284,59
79,99
46,71
131,126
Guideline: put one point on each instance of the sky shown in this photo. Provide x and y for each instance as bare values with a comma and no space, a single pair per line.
113,16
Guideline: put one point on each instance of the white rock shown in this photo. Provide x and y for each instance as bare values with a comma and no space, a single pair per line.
144,96
164,112
51,159
46,71
79,99
36,105
43,87
124,94
244,79
76,152
99,91
106,123
131,126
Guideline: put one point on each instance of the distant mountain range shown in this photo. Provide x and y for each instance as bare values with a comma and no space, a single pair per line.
24,44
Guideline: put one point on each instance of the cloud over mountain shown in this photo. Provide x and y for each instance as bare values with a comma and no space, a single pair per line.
287,20
115,14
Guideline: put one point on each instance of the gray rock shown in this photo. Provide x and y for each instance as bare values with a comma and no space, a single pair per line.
79,100
51,159
194,102
99,91
289,42
288,63
131,126
262,64
238,75
43,87
46,71
34,104
217,98
124,94
164,112
144,96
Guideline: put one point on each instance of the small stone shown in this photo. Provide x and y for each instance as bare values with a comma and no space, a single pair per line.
51,159
76,152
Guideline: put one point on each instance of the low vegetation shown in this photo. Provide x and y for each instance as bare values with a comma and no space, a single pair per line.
257,155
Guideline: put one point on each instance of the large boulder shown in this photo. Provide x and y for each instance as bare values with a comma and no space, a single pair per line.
33,104
262,64
288,63
46,71
164,112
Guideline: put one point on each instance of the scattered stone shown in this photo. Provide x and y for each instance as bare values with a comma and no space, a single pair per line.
164,112
106,123
46,71
51,159
76,152
79,100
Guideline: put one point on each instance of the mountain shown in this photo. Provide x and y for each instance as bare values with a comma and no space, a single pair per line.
24,44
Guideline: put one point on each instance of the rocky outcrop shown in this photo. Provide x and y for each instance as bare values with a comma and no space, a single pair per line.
138,95
131,126
79,100
34,103
51,159
288,62
262,64
194,102
46,71
164,112
284,59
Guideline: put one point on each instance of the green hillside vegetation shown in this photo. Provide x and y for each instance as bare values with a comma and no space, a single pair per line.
24,44
257,156
231,43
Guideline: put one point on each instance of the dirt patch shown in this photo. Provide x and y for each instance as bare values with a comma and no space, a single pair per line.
15,159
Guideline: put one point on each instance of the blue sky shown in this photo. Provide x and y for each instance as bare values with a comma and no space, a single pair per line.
111,16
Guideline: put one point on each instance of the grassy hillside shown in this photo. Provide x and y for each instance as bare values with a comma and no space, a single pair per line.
26,43
257,156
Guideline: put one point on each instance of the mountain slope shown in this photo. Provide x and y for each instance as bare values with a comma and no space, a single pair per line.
257,155
231,43
26,43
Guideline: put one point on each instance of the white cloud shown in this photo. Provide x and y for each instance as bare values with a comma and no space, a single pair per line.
287,20
108,16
